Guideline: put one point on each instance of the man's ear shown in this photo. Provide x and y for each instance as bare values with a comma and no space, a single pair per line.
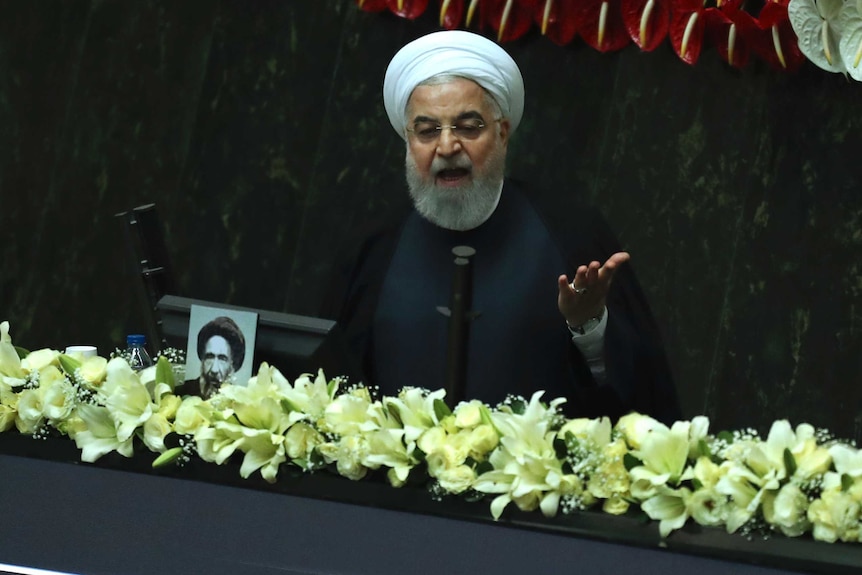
505,126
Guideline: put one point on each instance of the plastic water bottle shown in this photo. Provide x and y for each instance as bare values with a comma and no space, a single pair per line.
136,347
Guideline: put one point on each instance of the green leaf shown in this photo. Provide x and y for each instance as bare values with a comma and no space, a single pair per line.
69,364
519,406
394,412
696,483
22,353
703,448
789,462
165,372
560,447
846,482
288,405
441,410
484,467
725,436
630,461
167,457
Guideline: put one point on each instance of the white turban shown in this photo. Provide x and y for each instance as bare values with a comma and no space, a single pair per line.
458,53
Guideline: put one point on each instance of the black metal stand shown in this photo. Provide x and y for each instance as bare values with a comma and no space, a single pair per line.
459,315
146,247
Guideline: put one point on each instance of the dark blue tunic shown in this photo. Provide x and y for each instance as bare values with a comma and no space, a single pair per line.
519,343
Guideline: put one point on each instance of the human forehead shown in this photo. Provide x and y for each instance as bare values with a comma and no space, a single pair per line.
217,344
447,100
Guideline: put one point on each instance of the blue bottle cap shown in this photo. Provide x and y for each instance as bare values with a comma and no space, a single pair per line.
136,339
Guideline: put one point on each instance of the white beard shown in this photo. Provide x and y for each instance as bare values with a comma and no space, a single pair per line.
462,208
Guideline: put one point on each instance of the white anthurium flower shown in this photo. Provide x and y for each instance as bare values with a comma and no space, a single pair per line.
787,509
850,47
819,29
636,428
126,398
836,515
40,359
100,436
670,507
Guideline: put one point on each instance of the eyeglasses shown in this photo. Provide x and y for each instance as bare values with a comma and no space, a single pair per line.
466,129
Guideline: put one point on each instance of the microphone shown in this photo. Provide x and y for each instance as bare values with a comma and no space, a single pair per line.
459,315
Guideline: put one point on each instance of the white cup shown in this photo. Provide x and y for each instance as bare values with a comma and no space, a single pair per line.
81,351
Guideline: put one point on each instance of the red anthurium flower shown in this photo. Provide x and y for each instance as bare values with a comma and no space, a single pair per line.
646,22
601,24
557,19
451,12
511,19
730,30
410,9
371,5
687,23
778,44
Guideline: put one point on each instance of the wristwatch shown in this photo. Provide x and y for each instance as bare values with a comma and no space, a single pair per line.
588,325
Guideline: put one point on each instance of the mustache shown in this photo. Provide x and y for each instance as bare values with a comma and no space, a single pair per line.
438,164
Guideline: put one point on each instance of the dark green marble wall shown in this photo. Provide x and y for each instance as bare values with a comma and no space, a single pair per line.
258,130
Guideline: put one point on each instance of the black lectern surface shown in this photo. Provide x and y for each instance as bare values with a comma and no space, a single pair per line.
91,520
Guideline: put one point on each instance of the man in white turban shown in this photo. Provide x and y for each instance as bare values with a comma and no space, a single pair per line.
456,98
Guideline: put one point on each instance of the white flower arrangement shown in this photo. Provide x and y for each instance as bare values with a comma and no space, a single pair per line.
522,452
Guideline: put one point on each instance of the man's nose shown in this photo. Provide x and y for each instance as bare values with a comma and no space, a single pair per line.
448,143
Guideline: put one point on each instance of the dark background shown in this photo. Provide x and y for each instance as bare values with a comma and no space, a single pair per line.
258,130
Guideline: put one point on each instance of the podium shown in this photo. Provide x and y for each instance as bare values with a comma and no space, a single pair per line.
117,518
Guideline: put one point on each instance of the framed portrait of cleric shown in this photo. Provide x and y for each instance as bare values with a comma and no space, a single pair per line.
220,349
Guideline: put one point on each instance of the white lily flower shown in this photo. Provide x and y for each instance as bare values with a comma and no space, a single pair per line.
670,508
100,436
126,398
10,363
636,428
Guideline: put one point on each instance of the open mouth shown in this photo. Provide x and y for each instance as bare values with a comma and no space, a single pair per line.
452,175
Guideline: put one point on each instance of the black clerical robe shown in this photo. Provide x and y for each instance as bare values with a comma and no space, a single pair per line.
519,342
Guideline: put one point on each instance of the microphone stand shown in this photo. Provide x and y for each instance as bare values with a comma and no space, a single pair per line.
459,315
